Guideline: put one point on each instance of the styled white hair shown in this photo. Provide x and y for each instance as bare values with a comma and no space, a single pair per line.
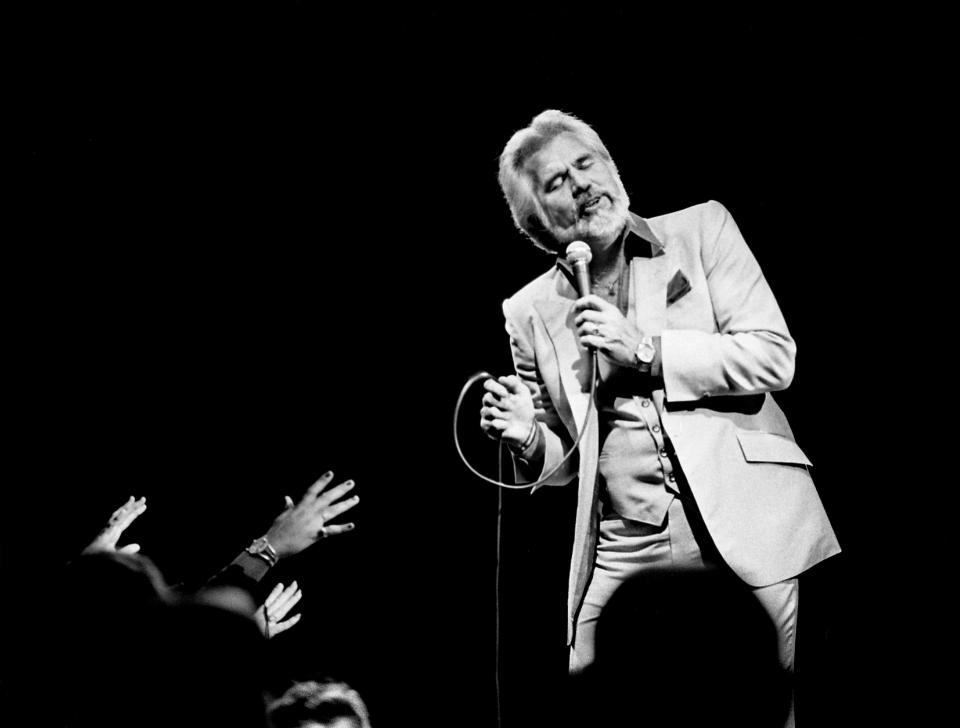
515,179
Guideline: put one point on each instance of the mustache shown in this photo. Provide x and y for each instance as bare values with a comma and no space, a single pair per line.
590,198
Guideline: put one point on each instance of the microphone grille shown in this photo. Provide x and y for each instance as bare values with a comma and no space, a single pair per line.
578,250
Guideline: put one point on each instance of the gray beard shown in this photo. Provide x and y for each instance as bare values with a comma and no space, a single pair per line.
597,227
601,227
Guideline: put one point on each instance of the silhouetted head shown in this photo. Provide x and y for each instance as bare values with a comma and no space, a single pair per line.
319,704
208,667
689,648
103,603
134,655
114,580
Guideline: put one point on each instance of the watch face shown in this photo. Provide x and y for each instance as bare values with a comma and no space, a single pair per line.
645,353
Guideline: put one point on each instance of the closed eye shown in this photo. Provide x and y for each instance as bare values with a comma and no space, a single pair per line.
554,182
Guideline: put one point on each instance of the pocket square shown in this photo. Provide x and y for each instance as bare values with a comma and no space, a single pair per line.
677,288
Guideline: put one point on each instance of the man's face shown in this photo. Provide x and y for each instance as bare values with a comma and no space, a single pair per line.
581,195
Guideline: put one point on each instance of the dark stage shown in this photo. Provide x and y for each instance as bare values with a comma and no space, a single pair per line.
252,246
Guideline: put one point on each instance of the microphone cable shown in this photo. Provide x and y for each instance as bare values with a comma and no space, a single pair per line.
499,482
522,486
578,256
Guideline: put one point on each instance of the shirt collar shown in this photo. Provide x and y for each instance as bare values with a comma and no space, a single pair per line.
640,239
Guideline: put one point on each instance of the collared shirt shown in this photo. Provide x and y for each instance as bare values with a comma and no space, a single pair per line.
636,472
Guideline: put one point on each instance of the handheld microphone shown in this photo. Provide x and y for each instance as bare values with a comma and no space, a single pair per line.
578,257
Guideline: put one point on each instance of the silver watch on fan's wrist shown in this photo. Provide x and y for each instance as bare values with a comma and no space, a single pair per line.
645,353
264,549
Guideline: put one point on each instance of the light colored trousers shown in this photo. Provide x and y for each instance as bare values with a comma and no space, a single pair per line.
627,547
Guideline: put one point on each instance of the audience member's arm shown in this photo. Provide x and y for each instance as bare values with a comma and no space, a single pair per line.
269,615
121,519
297,527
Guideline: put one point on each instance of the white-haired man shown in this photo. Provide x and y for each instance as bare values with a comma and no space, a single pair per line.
688,460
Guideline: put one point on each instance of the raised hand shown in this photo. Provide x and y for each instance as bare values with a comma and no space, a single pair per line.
121,519
270,615
300,525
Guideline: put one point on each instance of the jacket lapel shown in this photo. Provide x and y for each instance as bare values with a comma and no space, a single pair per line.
573,362
648,281
648,293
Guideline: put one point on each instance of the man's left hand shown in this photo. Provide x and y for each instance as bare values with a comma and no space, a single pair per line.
600,325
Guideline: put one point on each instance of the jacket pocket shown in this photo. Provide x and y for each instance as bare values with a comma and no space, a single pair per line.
765,447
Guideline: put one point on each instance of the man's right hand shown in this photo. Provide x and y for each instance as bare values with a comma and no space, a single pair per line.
508,411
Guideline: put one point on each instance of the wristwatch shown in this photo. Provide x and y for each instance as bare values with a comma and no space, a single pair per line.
263,548
645,353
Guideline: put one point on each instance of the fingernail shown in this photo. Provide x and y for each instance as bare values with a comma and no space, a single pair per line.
351,526
328,474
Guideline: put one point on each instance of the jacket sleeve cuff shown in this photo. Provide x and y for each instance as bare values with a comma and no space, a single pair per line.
244,571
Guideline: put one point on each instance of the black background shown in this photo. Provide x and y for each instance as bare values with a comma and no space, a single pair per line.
252,245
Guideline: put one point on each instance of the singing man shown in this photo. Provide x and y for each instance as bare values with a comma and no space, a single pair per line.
687,460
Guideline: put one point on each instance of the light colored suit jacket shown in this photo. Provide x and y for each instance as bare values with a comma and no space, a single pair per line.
725,346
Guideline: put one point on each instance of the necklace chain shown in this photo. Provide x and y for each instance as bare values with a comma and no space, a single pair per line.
610,284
